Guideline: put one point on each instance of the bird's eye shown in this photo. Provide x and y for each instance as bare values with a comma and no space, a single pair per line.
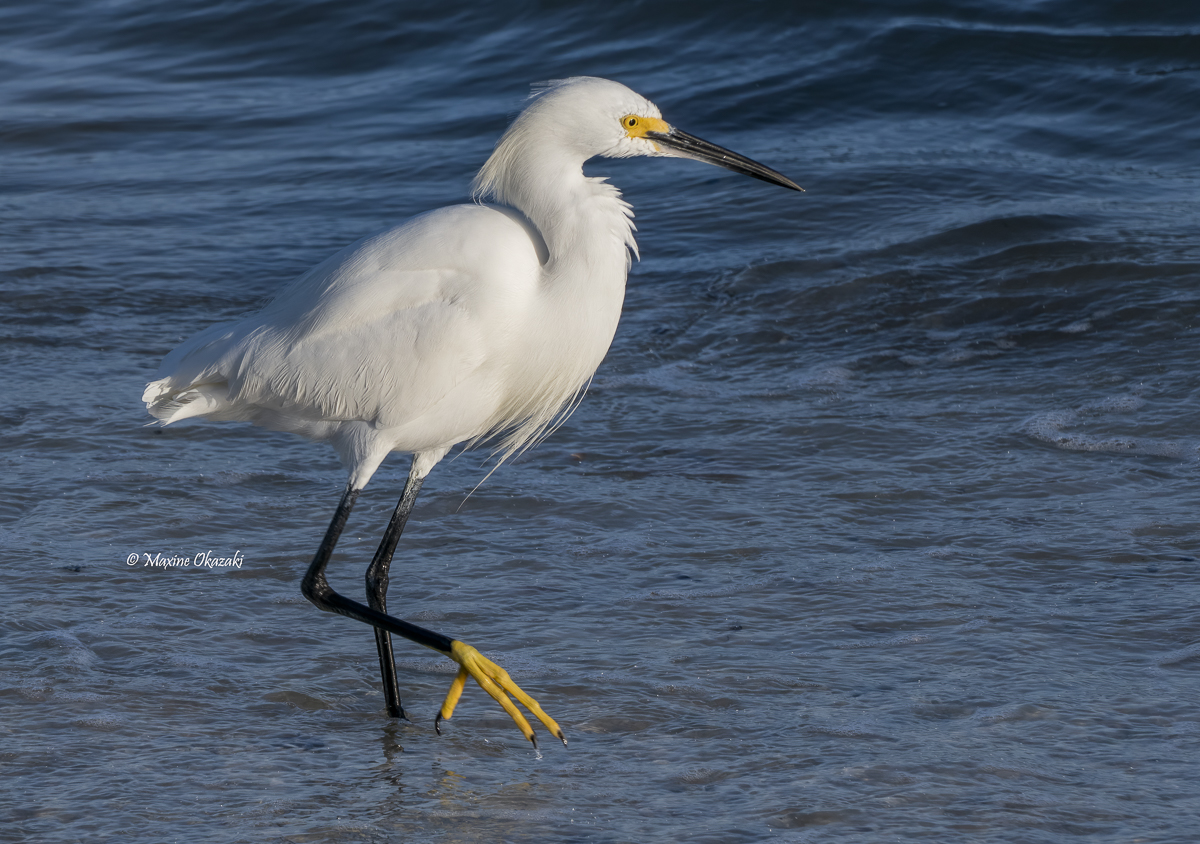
630,122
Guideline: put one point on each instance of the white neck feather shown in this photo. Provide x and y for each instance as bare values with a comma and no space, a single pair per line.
580,218
588,234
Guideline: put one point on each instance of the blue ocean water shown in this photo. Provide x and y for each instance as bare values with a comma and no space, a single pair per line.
878,523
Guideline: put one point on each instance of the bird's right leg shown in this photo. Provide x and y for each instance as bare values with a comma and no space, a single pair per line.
377,586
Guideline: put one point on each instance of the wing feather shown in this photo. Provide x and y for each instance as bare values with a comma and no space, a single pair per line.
377,333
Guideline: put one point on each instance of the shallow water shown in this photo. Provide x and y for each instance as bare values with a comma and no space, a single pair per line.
878,523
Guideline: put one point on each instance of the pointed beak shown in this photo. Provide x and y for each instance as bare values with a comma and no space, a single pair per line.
683,145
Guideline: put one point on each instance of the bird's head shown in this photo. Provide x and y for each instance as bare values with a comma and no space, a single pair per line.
598,117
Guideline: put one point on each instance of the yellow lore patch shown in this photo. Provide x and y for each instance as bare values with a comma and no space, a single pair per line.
636,126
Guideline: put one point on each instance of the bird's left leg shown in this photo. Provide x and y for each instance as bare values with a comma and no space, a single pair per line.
377,586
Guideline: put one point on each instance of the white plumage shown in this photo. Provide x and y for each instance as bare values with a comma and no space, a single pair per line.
465,322
462,322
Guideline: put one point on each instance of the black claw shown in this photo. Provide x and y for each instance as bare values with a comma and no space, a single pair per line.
437,724
533,738
562,738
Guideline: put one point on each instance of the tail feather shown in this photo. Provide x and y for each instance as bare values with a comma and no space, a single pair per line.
167,404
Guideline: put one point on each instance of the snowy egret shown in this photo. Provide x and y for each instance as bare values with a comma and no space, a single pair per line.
464,323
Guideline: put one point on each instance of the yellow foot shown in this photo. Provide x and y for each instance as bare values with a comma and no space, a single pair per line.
495,681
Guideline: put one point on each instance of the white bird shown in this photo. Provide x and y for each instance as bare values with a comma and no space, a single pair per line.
464,323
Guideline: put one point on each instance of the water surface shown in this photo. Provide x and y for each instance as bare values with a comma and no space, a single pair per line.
879,522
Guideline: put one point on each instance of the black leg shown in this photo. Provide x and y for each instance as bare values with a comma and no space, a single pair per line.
377,585
317,589
491,677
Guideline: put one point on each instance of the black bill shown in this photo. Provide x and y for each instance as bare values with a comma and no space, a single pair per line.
689,146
